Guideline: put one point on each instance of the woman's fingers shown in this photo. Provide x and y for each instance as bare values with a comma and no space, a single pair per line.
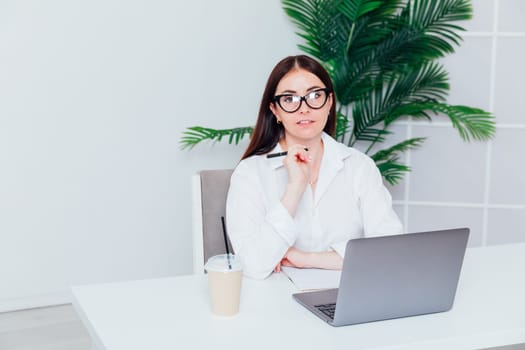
286,262
298,164
277,268
299,152
302,158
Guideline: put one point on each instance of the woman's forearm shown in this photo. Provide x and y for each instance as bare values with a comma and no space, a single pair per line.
328,260
292,196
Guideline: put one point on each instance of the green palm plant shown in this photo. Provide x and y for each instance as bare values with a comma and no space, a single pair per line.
382,56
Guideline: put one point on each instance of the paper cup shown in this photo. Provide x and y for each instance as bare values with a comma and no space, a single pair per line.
224,283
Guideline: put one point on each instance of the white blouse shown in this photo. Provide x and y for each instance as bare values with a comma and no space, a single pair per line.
350,201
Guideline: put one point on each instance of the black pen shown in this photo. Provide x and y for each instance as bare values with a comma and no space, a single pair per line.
280,154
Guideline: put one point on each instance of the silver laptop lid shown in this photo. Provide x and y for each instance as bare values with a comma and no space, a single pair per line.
397,276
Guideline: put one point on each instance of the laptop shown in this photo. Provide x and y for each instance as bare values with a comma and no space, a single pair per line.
391,277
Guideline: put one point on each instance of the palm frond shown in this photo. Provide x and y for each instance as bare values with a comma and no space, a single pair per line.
369,135
354,9
421,32
321,25
342,126
471,123
387,159
416,110
354,80
365,113
436,18
428,83
424,82
393,171
196,134
425,30
394,151
406,46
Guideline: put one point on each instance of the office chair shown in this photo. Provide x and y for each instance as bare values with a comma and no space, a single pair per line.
209,192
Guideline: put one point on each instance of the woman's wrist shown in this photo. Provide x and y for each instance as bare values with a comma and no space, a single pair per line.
296,186
325,260
292,196
311,260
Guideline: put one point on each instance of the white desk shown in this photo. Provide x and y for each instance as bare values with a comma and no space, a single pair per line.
167,313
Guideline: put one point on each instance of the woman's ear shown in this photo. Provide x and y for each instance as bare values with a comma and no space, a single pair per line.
272,108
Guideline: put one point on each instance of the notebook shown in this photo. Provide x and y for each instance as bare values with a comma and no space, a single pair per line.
312,279
391,277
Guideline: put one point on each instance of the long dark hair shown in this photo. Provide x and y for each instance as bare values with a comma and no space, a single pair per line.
267,131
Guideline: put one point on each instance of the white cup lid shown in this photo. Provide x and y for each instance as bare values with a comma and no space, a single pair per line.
221,263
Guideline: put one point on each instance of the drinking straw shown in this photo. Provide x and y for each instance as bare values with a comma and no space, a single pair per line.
226,243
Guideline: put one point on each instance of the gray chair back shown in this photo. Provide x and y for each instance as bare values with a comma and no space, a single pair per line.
214,185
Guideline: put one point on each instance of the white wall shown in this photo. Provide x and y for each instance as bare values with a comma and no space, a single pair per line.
94,97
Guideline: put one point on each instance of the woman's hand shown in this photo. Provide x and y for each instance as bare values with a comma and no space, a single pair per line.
294,257
297,258
277,268
298,165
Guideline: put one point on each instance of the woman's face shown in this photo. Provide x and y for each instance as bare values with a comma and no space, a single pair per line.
306,124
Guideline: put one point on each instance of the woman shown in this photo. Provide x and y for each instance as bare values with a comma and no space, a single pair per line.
301,209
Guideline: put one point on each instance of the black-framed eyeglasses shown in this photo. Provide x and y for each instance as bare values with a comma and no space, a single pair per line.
315,99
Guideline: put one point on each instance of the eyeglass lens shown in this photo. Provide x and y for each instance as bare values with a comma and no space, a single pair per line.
291,103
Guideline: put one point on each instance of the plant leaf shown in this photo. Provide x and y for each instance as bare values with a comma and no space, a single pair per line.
392,171
394,151
353,9
196,134
342,126
471,123
321,25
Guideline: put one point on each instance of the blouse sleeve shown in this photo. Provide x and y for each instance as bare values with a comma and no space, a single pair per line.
260,232
375,205
379,218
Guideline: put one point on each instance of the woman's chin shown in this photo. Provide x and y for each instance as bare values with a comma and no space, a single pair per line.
305,135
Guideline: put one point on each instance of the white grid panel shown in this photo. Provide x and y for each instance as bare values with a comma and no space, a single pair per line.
491,221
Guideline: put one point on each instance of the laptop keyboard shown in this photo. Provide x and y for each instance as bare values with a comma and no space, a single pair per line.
327,309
